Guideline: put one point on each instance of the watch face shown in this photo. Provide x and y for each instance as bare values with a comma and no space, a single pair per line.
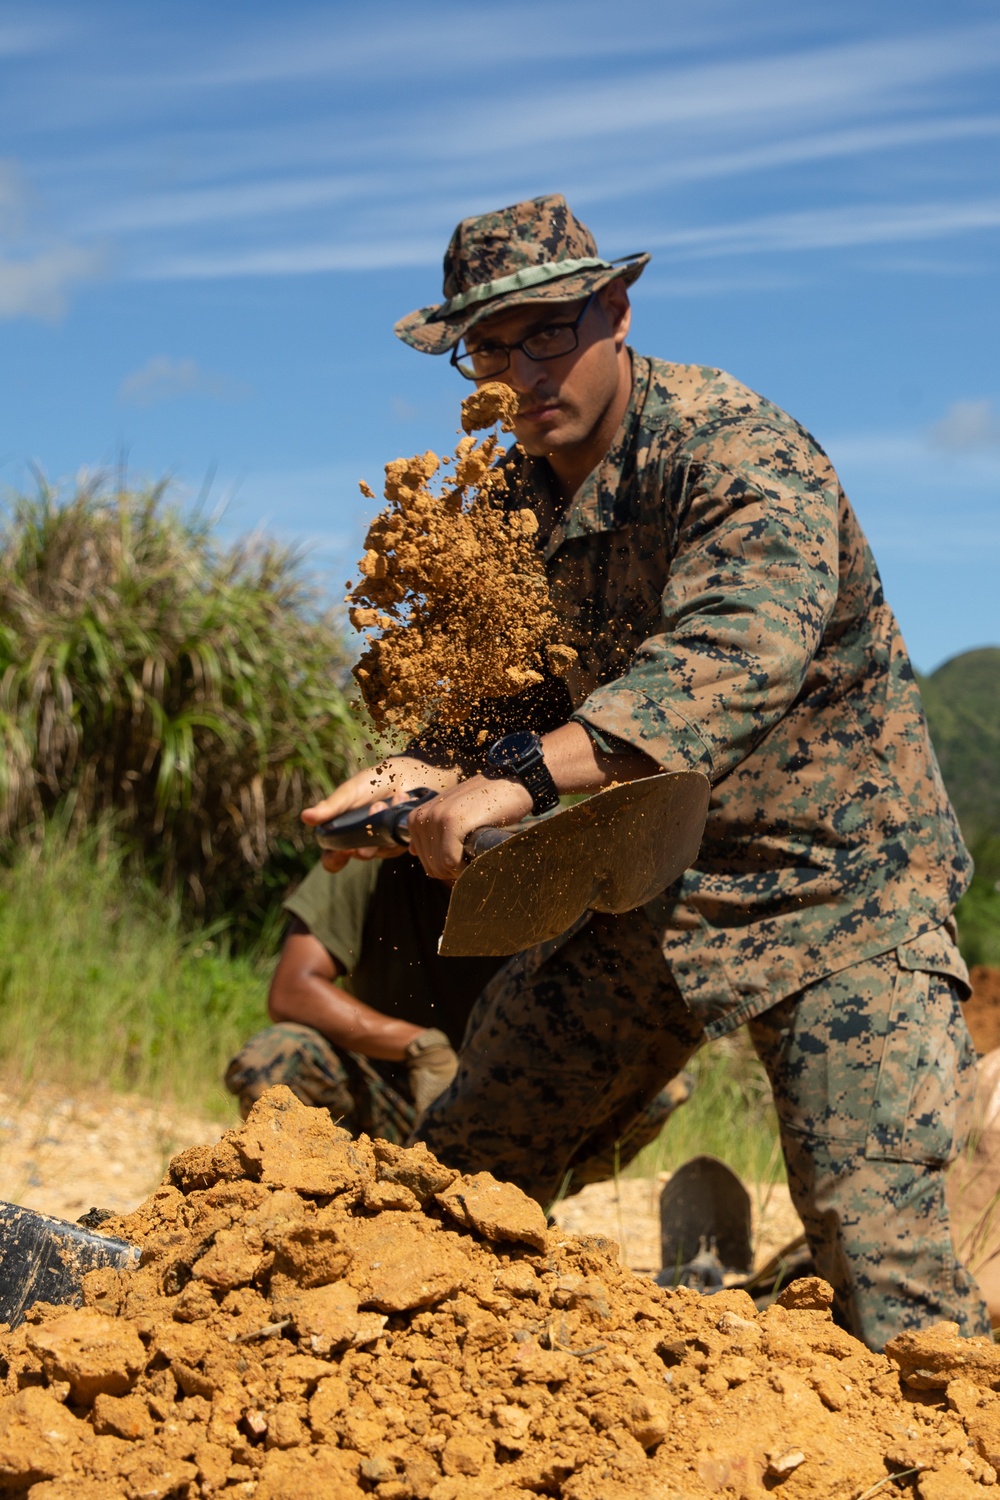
515,750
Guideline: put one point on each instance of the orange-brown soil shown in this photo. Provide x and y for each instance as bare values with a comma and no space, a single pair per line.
315,1316
453,593
982,1010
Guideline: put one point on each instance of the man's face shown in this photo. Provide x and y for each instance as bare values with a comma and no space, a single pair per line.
561,400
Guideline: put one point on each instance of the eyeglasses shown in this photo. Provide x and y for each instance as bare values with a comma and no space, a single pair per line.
492,357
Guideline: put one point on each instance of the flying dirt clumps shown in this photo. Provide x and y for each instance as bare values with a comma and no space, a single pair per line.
453,592
388,1327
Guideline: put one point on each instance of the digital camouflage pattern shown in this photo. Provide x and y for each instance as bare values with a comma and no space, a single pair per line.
537,245
730,619
362,1101
357,1095
872,1071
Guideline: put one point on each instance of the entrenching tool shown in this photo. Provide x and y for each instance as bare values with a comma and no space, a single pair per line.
45,1260
528,883
704,1225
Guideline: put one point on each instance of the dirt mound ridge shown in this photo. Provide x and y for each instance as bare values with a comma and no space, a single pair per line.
315,1316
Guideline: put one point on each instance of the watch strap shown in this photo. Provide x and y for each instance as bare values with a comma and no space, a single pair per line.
537,780
519,756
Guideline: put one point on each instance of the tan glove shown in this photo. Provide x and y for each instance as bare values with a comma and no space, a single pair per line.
432,1064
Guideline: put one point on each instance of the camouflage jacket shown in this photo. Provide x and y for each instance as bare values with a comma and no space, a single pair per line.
729,618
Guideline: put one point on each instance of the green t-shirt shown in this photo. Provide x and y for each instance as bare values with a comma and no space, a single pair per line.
380,920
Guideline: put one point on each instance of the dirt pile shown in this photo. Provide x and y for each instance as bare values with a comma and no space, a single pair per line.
319,1317
453,593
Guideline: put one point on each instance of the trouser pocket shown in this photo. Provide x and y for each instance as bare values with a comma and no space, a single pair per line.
926,1076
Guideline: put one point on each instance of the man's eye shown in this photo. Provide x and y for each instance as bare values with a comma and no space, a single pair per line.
486,351
554,334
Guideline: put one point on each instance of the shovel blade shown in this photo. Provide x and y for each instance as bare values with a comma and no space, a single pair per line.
611,853
705,1204
45,1260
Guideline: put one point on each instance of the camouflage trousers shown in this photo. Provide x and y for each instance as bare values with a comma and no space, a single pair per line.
361,1099
357,1094
872,1072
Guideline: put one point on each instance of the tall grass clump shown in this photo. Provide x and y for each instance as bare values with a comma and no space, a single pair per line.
102,985
730,1115
185,692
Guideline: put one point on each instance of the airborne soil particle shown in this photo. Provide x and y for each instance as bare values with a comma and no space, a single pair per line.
453,592
284,1341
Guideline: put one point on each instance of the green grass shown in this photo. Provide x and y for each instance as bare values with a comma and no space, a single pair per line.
729,1115
962,701
189,689
978,915
102,986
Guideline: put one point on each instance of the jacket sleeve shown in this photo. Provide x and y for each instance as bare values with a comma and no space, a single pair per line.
751,588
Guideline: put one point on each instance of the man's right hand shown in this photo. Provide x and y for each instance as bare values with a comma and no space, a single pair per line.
380,786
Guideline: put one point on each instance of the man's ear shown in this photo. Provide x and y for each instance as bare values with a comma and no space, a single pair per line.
617,309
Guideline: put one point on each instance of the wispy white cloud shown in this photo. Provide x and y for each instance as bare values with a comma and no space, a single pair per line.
908,459
385,40
968,426
654,285
162,379
19,38
226,203
919,504
791,150
832,228
295,260
38,286
223,203
803,85
36,275
850,226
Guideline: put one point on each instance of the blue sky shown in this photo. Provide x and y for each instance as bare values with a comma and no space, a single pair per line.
211,216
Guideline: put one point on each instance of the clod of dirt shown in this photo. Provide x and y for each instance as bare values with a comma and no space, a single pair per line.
497,1210
394,1328
95,1354
453,591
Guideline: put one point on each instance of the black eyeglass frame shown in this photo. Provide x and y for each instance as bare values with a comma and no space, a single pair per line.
574,327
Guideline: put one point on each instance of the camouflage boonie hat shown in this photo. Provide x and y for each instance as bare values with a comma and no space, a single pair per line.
533,250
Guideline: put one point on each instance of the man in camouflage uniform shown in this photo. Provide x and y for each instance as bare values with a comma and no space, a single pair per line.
365,1012
729,618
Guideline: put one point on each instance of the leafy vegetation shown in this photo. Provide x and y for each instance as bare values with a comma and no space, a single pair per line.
962,699
978,912
102,985
730,1115
184,694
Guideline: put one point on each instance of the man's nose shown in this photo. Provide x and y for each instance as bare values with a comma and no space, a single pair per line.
523,374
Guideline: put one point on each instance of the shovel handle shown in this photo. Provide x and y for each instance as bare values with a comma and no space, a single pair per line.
389,828
363,829
481,839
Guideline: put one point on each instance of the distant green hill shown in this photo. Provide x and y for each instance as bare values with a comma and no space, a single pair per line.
962,699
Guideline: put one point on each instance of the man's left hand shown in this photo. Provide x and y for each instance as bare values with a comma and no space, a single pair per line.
438,829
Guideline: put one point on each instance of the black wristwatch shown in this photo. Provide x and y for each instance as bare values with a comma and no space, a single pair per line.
521,756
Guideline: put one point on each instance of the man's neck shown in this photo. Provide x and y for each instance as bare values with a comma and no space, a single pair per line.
571,466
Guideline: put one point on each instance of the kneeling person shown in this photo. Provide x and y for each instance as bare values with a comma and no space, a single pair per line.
367,1013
